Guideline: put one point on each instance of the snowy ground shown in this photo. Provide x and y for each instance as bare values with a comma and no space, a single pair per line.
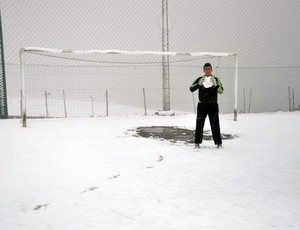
94,174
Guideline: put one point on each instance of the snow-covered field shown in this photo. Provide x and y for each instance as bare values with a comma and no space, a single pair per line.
94,174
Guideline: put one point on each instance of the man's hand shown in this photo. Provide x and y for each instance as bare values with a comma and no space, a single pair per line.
214,81
201,81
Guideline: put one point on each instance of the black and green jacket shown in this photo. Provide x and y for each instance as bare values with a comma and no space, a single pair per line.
207,95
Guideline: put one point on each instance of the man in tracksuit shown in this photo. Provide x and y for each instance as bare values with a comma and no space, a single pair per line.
208,86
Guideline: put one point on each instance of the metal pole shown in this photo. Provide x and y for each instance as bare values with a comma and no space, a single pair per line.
293,97
250,99
290,106
244,100
235,88
145,106
3,90
165,58
23,98
46,100
65,107
92,105
106,96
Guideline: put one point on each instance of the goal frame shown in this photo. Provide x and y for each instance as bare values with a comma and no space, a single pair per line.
121,52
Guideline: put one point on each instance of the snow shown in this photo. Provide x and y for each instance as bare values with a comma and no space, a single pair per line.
95,174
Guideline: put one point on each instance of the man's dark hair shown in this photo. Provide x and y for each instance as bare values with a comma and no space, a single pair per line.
207,65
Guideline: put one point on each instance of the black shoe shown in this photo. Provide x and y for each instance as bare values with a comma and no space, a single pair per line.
219,146
197,146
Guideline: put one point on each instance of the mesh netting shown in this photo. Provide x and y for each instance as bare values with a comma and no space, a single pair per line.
84,85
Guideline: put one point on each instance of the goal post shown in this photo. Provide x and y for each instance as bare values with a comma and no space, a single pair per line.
140,59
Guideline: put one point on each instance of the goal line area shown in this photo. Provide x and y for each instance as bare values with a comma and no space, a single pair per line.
95,83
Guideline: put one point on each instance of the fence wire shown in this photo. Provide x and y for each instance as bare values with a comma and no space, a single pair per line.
265,35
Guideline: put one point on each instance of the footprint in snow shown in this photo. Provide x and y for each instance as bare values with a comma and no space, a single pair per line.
89,189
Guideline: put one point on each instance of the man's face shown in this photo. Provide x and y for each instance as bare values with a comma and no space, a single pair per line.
207,71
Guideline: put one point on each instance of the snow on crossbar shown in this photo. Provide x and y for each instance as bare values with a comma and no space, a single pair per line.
195,54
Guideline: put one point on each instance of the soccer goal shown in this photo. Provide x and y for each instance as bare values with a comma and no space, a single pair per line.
96,83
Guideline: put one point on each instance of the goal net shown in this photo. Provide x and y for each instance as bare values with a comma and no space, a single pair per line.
96,83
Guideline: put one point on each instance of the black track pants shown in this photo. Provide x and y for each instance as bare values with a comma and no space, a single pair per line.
212,110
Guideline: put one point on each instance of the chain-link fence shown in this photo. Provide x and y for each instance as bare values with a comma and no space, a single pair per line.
265,35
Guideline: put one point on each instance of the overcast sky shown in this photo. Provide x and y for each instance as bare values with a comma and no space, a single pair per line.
263,32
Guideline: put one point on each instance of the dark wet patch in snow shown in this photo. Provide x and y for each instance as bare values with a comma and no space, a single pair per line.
176,134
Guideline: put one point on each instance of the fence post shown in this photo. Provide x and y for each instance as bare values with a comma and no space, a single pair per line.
289,91
65,107
106,96
92,98
244,91
23,91
46,102
293,97
3,90
250,99
145,106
